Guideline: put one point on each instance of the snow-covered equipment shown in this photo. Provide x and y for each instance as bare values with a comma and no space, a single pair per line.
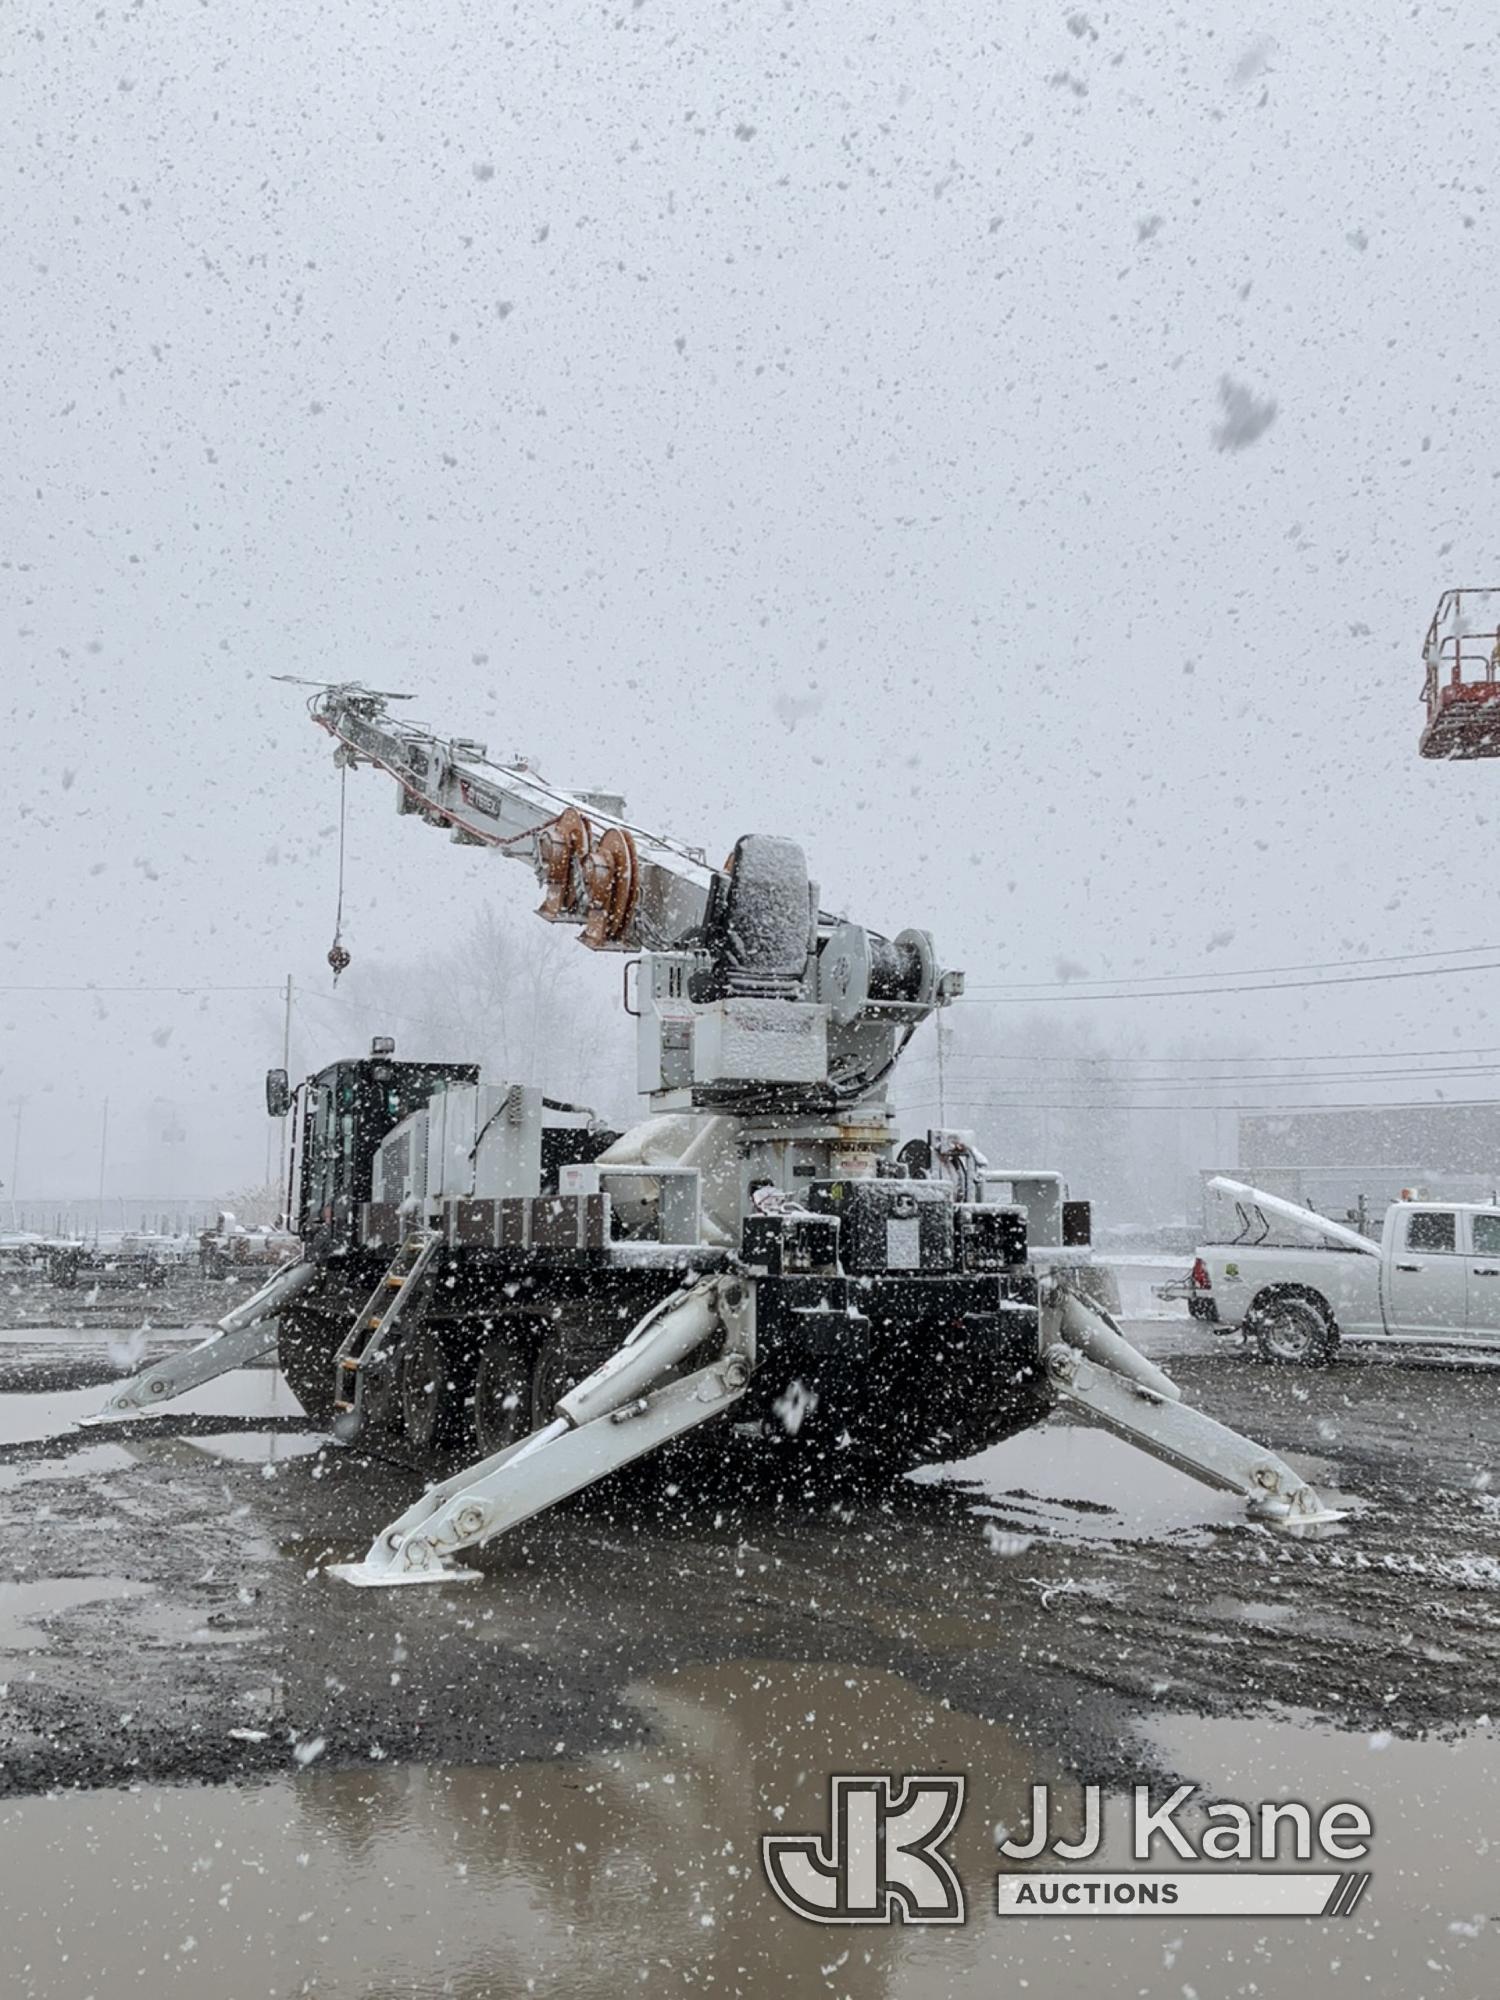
526,1300
229,1249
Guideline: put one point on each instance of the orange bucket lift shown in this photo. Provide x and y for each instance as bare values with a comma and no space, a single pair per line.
1462,690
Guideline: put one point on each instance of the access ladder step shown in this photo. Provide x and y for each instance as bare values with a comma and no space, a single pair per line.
369,1338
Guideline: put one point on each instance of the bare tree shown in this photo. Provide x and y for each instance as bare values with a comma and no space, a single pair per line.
1127,1124
522,999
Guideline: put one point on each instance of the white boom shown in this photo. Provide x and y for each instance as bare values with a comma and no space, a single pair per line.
750,997
629,888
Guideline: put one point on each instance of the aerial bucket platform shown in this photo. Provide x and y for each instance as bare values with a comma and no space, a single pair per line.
1462,689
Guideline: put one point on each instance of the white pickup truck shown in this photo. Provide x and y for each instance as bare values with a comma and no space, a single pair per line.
1433,1278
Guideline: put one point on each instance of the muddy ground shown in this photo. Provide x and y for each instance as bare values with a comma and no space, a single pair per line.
224,1772
168,1616
99,1306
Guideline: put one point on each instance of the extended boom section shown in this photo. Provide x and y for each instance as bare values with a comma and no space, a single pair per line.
626,887
748,994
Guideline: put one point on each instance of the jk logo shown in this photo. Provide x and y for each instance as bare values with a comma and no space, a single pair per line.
880,1859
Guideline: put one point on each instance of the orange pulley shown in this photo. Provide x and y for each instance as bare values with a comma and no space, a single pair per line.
562,849
611,875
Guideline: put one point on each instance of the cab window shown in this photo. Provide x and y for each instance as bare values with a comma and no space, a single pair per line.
321,1164
1486,1235
1432,1230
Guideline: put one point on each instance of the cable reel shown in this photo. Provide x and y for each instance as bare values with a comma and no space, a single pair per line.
611,876
562,854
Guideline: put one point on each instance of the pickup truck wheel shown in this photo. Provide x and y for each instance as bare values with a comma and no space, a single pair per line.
1293,1332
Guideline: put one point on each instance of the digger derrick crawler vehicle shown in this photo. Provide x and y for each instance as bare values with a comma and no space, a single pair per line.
505,1286
500,1247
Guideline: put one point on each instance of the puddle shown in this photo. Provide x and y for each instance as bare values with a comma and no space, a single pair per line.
90,1461
631,1872
640,1871
1085,1485
1430,1921
258,1447
1079,1484
175,1628
248,1392
24,1605
1250,1611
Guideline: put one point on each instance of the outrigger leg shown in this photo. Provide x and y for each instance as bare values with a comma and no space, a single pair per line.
240,1336
1095,1369
632,1403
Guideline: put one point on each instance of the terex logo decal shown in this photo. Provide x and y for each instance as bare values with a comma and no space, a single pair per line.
477,796
879,1860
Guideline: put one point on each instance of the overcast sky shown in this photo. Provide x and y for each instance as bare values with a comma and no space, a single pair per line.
1016,449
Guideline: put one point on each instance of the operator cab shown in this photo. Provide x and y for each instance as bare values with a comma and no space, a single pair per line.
347,1109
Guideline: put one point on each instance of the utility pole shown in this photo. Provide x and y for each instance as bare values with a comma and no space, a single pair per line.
276,1135
103,1155
286,1064
15,1163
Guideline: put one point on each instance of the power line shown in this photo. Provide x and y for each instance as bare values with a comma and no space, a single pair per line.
370,1009
1260,1110
1239,972
1318,1078
188,987
1336,1055
1064,994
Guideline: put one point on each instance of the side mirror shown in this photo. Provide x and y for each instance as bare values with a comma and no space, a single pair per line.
278,1093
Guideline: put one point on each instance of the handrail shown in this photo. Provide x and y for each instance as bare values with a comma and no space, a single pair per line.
1449,644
